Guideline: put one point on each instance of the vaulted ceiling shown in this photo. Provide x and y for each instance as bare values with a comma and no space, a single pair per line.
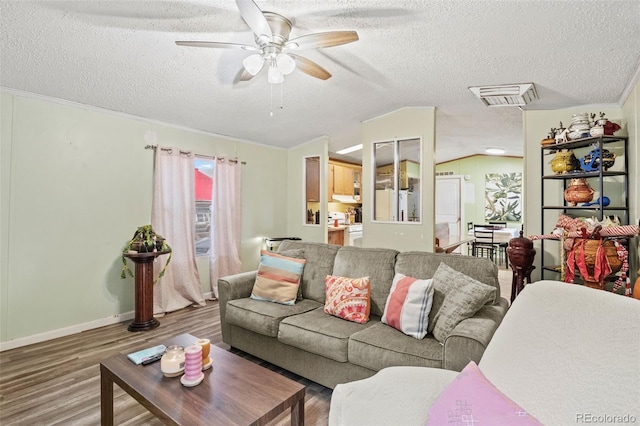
121,55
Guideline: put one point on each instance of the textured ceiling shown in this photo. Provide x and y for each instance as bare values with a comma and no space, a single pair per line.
121,55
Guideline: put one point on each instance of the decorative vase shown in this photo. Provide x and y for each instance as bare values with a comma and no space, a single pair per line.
521,252
590,248
592,161
596,131
578,191
564,162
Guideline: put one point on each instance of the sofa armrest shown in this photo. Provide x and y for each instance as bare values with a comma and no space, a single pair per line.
470,338
233,287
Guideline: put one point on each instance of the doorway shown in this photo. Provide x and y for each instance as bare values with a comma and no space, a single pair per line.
449,205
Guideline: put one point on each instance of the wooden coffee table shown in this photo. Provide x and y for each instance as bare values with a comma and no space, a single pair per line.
234,391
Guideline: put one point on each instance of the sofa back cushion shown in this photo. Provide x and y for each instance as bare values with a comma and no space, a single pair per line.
375,263
423,265
319,263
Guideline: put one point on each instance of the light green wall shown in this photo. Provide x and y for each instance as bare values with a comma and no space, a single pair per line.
6,118
76,182
536,127
475,168
400,124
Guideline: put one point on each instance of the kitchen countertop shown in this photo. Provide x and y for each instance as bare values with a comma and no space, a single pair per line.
337,228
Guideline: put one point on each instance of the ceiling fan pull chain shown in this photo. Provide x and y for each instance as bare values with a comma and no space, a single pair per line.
271,111
281,106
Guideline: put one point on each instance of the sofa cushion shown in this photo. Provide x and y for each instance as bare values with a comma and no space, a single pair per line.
464,298
482,401
445,279
348,298
377,264
408,305
278,278
424,265
320,258
321,334
381,346
264,318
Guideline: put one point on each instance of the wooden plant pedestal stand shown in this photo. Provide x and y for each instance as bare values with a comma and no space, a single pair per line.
144,319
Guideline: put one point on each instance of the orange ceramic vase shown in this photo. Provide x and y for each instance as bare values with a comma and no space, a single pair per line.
590,258
578,191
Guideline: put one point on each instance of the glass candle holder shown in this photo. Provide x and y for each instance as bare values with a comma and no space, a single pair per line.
172,362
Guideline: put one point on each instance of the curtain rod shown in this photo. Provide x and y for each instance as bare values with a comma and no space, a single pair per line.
170,150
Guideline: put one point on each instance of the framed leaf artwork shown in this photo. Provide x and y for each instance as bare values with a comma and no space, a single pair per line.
503,195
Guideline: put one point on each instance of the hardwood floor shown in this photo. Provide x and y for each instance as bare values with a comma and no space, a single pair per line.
58,382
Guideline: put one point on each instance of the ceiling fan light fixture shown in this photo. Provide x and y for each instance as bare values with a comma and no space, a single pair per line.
285,63
506,95
253,64
275,76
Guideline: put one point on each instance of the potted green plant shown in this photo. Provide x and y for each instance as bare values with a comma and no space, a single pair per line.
145,240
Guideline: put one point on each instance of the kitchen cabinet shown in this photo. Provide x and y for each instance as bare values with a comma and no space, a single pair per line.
313,179
611,184
336,236
344,179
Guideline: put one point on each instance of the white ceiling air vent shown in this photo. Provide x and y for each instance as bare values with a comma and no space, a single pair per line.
506,95
447,173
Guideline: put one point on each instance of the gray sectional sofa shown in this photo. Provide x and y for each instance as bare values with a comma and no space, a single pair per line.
328,350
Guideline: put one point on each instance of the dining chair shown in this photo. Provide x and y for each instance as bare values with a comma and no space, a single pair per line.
470,245
483,245
501,247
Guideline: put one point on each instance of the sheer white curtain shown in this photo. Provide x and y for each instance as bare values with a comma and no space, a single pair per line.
226,224
173,217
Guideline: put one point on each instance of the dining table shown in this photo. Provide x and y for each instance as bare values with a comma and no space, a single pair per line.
449,245
501,235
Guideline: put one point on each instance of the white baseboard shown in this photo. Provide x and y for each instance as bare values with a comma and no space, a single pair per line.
61,332
54,334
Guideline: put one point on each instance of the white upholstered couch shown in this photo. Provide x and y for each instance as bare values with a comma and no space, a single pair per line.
565,353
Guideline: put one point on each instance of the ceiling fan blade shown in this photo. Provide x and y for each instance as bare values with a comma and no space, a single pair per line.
215,44
246,76
328,39
309,67
254,18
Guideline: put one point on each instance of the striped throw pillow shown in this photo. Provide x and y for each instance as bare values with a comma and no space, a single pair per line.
278,278
408,305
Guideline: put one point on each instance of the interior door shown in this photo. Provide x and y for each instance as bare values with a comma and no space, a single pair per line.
448,205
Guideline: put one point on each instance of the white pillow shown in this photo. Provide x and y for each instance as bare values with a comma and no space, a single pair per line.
408,305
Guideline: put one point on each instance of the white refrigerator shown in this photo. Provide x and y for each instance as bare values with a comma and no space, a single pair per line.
390,209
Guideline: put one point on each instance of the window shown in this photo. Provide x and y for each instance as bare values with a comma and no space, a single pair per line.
397,176
203,181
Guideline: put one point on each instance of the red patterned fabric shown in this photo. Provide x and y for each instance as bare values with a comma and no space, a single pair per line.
348,298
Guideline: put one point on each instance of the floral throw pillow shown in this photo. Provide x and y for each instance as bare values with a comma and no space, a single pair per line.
472,399
348,298
408,305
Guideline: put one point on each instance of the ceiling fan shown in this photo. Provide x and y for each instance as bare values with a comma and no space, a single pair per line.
273,47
